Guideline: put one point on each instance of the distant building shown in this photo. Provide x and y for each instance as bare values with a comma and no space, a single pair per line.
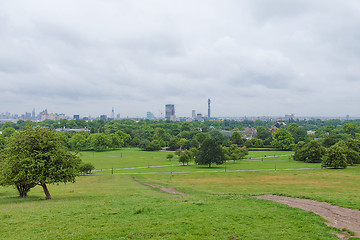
150,116
118,116
199,117
170,112
209,116
72,130
112,114
76,117
103,117
27,116
290,116
193,114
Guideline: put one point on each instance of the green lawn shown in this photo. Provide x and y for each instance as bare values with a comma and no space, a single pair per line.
125,158
217,205
147,161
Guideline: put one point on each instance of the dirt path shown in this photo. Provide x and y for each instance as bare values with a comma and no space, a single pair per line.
162,188
338,217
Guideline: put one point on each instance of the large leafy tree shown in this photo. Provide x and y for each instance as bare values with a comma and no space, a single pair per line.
335,157
210,152
311,152
100,142
283,139
263,133
298,133
35,156
236,138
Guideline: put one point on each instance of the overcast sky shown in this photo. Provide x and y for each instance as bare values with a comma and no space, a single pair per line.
253,58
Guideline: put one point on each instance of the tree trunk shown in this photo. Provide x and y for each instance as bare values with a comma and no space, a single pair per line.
46,191
22,191
24,188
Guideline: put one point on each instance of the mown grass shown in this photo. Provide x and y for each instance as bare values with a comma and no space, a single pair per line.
146,162
125,158
116,207
338,186
217,205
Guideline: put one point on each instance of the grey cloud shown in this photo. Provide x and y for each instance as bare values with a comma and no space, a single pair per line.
258,57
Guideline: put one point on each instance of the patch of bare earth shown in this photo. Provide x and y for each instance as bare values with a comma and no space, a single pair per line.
162,188
338,217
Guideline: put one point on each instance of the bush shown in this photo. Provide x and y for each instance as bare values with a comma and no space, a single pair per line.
86,168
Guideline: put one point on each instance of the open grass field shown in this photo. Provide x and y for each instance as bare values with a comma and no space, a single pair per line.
135,161
217,205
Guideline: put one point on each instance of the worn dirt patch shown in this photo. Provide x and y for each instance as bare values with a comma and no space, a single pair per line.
338,217
162,188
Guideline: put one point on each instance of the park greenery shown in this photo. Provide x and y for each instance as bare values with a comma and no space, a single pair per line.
234,137
219,165
218,204
35,156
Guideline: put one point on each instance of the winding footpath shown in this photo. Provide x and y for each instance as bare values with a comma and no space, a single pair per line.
338,217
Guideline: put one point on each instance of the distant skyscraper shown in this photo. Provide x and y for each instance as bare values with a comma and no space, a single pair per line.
193,114
112,114
209,108
199,117
170,112
33,114
150,116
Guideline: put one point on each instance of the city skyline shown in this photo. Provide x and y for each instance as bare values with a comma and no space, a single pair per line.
251,58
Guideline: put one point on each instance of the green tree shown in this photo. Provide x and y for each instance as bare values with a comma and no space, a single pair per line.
263,133
86,168
234,152
236,138
173,143
78,141
354,151
335,157
330,140
126,138
7,132
153,146
182,142
185,157
297,132
351,128
2,141
35,156
170,156
210,152
283,139
314,152
217,136
186,126
100,142
300,153
256,142
194,143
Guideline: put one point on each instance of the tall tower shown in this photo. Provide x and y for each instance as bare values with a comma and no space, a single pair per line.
170,112
209,116
112,114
